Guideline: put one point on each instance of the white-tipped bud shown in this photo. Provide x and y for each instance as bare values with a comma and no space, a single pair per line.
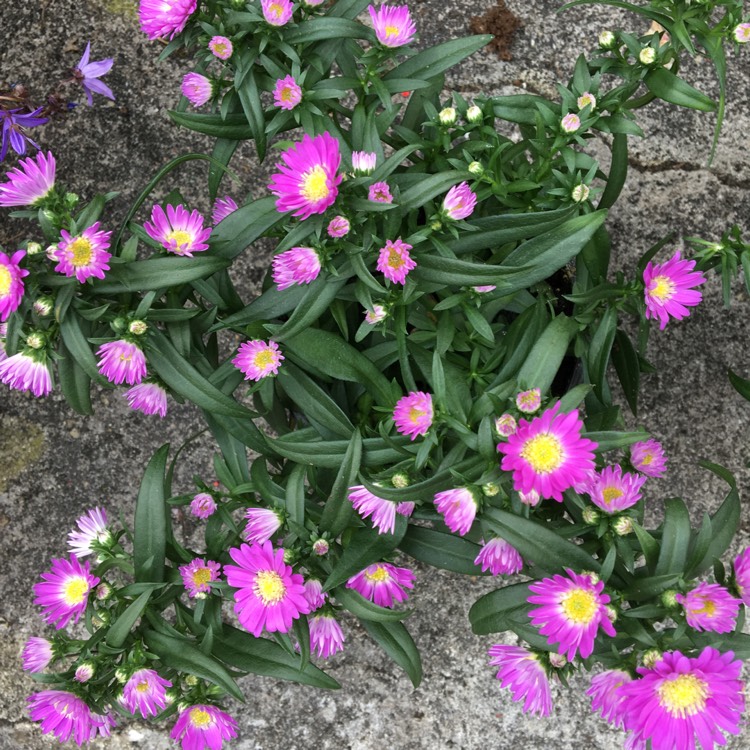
647,55
138,327
320,547
447,116
741,33
33,248
43,306
400,480
580,193
490,489
669,598
586,99
474,114
590,516
570,123
623,526
558,661
35,340
191,680
607,39
476,169
650,657
611,613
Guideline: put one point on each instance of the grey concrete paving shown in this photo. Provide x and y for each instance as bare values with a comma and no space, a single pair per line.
56,464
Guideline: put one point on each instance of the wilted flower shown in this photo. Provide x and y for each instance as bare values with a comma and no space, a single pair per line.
203,726
88,75
179,231
326,636
26,371
383,512
710,606
37,654
300,265
67,717
84,255
258,359
164,18
30,182
458,508
379,192
149,398
222,208
221,47
314,594
13,124
393,25
394,261
63,591
375,315
413,414
506,425
499,557
11,284
196,88
570,123
522,672
459,203
277,12
122,362
92,531
198,575
484,288
405,509
202,505
606,697
382,583
670,289
363,162
287,93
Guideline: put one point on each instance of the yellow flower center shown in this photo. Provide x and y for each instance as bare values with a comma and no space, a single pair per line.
286,94
684,696
394,259
647,459
275,10
378,575
315,184
181,239
611,493
663,288
708,608
201,576
269,587
200,718
220,48
391,30
5,281
544,452
142,687
580,606
415,415
82,250
75,590
263,360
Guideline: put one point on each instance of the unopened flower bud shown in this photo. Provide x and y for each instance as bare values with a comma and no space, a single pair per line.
51,252
593,577
586,99
400,480
122,675
436,225
611,613
43,306
103,592
476,169
558,661
35,340
71,200
741,33
529,401
531,498
191,680
590,516
474,114
650,657
138,327
669,598
580,193
170,696
506,425
623,526
84,672
647,55
119,324
290,556
320,547
33,248
607,39
447,116
570,123
490,489
375,315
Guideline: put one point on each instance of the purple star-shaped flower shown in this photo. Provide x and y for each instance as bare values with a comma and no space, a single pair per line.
88,73
13,123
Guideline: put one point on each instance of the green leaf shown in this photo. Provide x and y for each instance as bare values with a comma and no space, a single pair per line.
76,343
120,629
649,546
271,304
492,612
648,588
247,89
395,640
435,60
180,654
545,357
224,149
538,543
739,384
618,171
365,548
74,381
441,550
319,29
365,609
338,510
243,227
668,87
150,532
599,350
295,495
611,439
627,367
233,127
320,294
428,188
675,539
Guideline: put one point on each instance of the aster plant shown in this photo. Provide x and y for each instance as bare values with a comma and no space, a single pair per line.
411,380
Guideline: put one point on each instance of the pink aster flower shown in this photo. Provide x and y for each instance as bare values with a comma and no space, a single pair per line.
338,227
484,288
314,593
88,75
741,33
222,208
383,512
287,93
269,594
573,609
178,230
30,182
326,636
27,371
413,414
506,425
405,509
458,508
375,315
203,727
308,181
198,575
277,12
11,284
613,490
149,398
122,362
499,557
67,717
681,697
742,575
258,359
363,162
196,88
570,123
459,203
64,590
164,18
710,606
648,458
529,401
202,505
548,453
37,654
92,532
522,672
379,192
393,25
84,255
262,524
395,262
606,697
670,289
221,47
382,583
145,693
300,265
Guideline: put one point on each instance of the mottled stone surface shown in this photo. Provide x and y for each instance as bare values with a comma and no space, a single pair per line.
56,464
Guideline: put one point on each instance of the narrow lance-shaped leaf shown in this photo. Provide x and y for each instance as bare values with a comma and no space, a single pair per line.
150,531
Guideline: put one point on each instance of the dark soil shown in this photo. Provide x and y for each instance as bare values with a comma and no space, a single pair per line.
502,23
